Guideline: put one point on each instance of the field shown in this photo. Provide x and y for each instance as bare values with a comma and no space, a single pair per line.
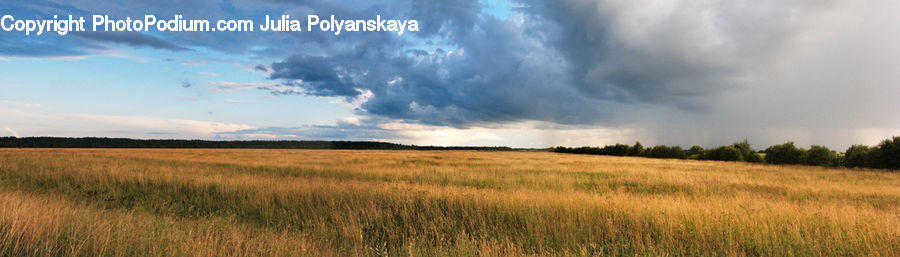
202,202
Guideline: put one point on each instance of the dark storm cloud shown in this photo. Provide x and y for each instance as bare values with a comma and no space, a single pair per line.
321,76
451,18
674,52
493,70
568,61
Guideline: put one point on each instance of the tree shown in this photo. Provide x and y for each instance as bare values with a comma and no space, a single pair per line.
663,151
820,156
746,151
696,152
724,153
616,150
677,152
785,153
857,156
887,154
636,150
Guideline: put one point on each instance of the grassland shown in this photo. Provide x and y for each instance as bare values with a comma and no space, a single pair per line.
201,202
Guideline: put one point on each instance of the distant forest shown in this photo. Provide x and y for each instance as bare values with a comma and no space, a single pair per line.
100,142
885,155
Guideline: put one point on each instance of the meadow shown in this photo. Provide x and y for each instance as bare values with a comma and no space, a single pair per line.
242,202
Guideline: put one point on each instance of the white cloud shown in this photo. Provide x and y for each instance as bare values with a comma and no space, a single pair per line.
260,136
194,62
530,134
356,102
12,132
395,80
350,121
228,86
18,104
161,124
42,123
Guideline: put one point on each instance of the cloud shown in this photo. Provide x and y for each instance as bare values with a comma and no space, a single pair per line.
50,45
184,126
581,57
494,74
519,134
12,132
569,62
714,71
340,132
350,121
19,104
134,39
155,133
228,86
35,123
260,68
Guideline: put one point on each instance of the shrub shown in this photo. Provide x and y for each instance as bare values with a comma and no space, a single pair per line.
754,157
747,153
696,152
785,153
839,160
820,156
724,153
658,151
663,151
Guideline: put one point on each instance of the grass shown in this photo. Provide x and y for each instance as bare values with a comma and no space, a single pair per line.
136,202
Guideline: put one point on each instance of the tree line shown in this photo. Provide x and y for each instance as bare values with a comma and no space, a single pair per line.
885,155
102,142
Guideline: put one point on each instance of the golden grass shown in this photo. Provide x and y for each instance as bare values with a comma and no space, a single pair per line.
120,202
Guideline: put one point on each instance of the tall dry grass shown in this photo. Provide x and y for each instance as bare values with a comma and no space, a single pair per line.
322,202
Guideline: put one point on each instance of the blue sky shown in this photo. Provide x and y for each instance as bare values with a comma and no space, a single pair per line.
515,73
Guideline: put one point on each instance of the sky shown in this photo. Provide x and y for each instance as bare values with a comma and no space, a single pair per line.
482,73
